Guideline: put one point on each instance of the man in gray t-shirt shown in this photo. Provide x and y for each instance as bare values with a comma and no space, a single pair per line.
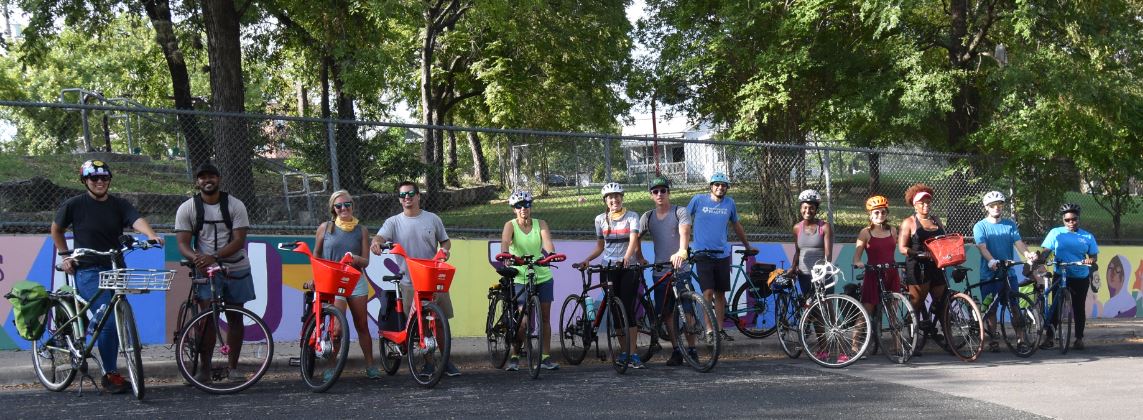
421,233
667,225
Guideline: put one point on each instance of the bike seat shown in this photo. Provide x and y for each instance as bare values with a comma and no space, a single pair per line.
393,278
747,252
506,271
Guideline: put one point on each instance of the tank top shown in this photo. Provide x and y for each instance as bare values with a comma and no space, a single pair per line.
917,244
336,243
528,244
880,250
812,247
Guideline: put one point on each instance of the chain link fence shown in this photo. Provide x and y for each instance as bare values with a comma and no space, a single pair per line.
285,168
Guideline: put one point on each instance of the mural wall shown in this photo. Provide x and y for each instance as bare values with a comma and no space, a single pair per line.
279,276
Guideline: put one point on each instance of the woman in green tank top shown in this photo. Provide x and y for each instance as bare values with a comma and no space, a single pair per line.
522,236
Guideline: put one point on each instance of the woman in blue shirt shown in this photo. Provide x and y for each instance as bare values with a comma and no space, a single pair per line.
1071,244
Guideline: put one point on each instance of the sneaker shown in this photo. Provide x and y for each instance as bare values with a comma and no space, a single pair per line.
692,353
842,358
994,346
203,376
326,375
237,375
427,369
722,335
634,362
114,383
621,359
513,364
451,370
676,358
1078,345
1048,343
548,364
373,372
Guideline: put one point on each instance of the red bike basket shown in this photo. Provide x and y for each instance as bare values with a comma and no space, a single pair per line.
334,278
947,250
430,275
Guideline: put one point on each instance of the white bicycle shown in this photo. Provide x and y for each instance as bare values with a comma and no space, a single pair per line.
835,328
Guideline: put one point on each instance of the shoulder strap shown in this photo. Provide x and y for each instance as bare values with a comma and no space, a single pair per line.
199,217
224,206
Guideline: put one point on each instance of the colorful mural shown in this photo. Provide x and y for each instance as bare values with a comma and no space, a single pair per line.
279,275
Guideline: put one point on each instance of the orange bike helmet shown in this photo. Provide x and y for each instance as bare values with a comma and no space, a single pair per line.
876,202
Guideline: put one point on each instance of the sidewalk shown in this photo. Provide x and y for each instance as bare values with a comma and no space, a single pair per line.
471,352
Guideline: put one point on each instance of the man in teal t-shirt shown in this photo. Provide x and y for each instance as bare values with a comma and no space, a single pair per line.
995,238
711,213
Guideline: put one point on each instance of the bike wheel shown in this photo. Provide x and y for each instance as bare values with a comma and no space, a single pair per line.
575,330
896,324
697,331
835,331
496,331
390,356
963,327
786,313
129,347
647,322
534,335
51,354
1067,319
750,312
428,357
614,329
323,355
240,367
1019,323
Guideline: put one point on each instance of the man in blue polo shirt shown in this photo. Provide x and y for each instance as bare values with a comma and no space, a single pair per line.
712,213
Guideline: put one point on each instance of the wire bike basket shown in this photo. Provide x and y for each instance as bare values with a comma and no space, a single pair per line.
947,250
136,279
331,277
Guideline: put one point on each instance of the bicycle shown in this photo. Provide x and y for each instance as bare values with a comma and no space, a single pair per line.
509,321
788,302
897,332
62,351
426,337
324,340
835,328
690,324
1055,290
1015,312
581,321
751,299
201,329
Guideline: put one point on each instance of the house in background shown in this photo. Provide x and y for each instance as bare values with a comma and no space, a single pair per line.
682,162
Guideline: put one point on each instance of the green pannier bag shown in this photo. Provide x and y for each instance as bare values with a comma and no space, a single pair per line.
30,303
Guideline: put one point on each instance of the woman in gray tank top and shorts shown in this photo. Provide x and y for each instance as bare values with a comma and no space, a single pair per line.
332,240
813,239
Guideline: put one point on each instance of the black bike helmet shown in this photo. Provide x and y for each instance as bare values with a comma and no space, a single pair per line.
1069,208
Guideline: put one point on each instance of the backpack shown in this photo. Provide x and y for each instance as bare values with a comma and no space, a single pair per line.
224,208
30,304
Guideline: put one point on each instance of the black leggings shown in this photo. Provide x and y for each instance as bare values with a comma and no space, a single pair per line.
626,287
1079,288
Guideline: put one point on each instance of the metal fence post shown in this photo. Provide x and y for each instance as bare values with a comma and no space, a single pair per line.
333,169
829,196
607,159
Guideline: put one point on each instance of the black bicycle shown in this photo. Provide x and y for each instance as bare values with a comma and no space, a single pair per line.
687,318
1019,323
508,322
894,319
582,323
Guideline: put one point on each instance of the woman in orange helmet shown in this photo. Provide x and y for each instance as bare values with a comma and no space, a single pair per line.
879,239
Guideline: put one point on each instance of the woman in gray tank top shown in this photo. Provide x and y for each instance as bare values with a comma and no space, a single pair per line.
331,241
813,238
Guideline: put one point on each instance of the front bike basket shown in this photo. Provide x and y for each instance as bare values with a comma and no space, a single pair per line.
947,250
136,279
331,277
430,275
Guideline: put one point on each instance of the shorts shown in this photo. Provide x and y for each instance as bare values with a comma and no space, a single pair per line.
662,296
442,299
871,293
920,273
362,288
625,286
995,287
806,284
236,287
714,275
546,289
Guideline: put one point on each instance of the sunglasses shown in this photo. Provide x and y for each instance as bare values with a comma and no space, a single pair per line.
660,191
878,212
346,205
1071,219
523,205
409,194
99,178
719,184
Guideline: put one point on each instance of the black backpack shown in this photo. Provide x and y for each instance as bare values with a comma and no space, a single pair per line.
223,202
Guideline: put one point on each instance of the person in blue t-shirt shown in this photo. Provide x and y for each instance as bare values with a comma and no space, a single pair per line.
1071,244
714,212
996,238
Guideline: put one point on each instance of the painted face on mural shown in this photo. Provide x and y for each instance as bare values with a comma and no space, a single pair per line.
1115,276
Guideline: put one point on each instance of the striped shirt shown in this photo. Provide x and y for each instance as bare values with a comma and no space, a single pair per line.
616,234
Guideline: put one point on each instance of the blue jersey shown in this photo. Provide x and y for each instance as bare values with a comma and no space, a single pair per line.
710,219
1000,239
1071,247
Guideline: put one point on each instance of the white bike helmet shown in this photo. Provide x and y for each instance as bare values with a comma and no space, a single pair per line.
611,187
519,196
992,197
810,196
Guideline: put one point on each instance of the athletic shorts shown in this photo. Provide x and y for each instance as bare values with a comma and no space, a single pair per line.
546,289
714,275
236,287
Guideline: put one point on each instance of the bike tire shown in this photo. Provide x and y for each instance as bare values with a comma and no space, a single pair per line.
322,366
1067,319
253,358
647,324
575,330
130,348
963,327
1016,320
496,332
896,324
534,334
845,331
51,357
694,319
615,325
749,312
787,313
390,356
428,365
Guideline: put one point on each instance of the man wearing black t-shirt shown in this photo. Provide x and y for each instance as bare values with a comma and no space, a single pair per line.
97,219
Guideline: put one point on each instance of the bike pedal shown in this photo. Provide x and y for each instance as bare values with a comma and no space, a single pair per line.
295,361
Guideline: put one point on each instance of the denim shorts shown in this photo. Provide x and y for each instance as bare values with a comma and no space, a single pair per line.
235,287
546,289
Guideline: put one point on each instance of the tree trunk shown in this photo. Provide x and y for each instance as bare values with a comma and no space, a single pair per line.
199,146
964,117
451,175
227,94
874,173
479,165
348,143
433,177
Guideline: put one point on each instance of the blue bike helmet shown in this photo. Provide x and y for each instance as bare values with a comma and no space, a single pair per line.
719,177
